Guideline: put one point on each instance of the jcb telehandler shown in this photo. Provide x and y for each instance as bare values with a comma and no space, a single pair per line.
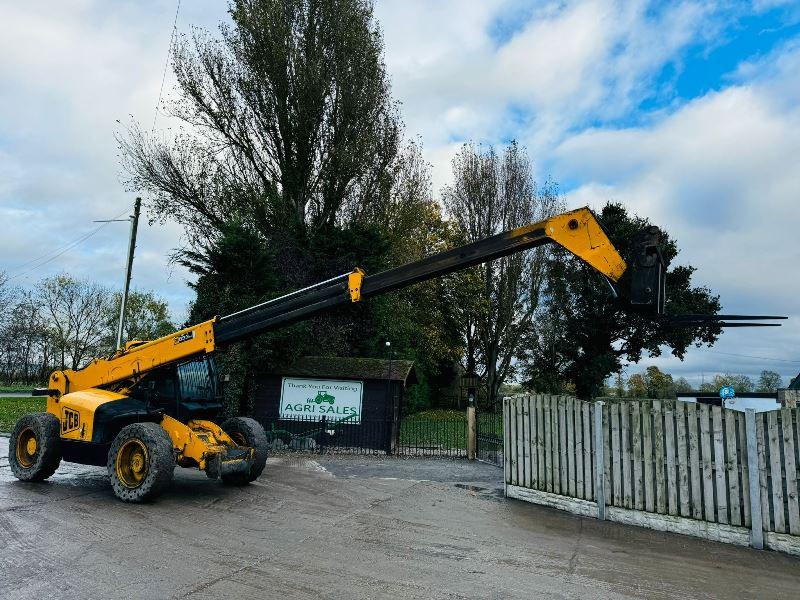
153,404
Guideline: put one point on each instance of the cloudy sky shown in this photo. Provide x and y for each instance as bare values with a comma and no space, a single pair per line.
688,112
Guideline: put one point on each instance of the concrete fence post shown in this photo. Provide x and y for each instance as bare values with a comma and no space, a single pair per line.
599,464
756,526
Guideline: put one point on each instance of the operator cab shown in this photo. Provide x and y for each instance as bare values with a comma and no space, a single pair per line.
189,390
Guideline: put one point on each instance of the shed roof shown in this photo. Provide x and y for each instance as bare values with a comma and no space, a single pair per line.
353,368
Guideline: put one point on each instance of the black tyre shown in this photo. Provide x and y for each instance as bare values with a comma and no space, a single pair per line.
140,462
34,450
247,432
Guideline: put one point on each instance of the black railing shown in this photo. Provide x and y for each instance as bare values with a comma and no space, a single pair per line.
489,434
434,433
424,434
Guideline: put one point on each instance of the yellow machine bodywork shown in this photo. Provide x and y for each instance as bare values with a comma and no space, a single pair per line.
76,395
579,232
76,411
194,442
136,359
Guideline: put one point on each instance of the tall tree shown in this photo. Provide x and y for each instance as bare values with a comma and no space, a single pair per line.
682,385
659,384
288,122
288,151
595,332
740,383
637,386
6,293
76,316
769,381
492,193
146,318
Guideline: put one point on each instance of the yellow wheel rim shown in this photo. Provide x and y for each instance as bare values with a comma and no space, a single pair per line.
132,463
26,447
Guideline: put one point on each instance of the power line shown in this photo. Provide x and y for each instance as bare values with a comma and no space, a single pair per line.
60,250
756,357
166,62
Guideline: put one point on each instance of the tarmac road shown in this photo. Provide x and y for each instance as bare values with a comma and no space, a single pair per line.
351,527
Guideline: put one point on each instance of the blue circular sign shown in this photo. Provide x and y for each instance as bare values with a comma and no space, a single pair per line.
727,392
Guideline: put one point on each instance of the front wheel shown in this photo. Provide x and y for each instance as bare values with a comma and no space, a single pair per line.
247,432
140,462
34,451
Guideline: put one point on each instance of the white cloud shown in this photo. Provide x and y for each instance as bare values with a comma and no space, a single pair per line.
69,71
568,64
721,176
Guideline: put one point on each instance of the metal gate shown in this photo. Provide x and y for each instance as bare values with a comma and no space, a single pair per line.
489,433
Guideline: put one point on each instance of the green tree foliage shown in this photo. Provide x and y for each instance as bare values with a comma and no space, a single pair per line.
64,322
740,383
769,381
682,385
146,317
587,334
289,169
287,122
637,386
659,384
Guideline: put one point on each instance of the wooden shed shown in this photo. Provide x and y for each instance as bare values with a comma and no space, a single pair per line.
365,394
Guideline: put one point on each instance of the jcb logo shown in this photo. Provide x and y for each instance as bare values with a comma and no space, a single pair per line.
184,337
71,420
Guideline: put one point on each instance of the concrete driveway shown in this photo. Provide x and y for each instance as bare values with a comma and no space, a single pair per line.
351,527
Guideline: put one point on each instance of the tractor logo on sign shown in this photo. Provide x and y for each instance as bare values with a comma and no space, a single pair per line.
323,396
71,421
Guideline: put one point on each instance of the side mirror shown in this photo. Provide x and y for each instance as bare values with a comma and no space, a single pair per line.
648,273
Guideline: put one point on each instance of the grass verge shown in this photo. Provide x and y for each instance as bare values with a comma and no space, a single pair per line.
15,388
12,409
435,429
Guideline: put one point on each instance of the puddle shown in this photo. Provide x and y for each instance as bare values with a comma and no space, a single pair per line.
490,493
471,488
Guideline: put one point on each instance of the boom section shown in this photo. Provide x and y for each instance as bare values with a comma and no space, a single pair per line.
136,358
578,231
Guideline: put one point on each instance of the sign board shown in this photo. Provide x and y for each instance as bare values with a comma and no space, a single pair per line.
313,399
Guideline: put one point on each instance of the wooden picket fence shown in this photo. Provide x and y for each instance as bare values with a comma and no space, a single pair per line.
668,464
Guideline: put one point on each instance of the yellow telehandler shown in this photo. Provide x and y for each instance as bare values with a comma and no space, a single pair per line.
153,404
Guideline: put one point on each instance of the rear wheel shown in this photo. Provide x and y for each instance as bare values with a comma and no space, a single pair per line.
247,432
140,462
34,451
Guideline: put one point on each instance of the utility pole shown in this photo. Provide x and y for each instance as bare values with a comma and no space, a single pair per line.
134,219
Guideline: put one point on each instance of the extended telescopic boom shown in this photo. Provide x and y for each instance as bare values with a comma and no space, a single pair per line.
577,231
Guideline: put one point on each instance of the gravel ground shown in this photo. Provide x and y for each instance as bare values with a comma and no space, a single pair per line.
348,527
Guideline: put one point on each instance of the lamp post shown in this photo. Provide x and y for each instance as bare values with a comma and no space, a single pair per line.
389,398
389,375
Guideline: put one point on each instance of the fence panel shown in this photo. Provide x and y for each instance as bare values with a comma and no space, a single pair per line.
744,465
732,468
683,459
776,479
588,471
790,470
672,462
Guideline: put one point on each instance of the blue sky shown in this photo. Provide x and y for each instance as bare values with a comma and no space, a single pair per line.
686,111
